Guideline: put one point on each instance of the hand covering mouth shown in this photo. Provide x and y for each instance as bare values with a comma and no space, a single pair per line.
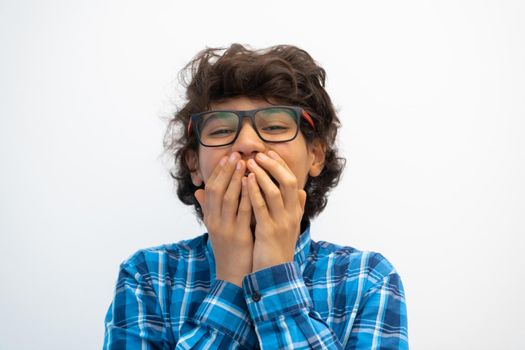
271,177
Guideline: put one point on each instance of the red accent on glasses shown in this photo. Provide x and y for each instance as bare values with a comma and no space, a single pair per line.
308,119
189,128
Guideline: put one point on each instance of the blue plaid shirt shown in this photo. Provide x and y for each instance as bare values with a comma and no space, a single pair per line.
330,297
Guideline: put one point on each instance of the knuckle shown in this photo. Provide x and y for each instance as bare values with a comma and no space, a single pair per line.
290,182
274,193
243,209
261,205
228,199
213,190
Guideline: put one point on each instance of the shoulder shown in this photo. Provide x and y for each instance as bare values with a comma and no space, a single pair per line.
368,266
165,256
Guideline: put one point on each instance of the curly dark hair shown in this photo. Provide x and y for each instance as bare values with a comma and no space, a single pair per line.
282,73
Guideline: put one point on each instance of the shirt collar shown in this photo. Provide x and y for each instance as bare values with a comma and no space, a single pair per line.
302,247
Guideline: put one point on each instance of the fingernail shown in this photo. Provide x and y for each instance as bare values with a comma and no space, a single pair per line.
262,156
273,154
251,162
238,167
223,160
233,157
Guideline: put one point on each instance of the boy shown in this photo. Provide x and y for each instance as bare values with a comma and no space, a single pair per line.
255,155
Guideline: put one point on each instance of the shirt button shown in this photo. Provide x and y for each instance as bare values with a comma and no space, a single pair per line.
256,296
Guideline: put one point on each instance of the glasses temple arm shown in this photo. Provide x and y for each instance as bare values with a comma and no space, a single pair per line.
189,128
309,119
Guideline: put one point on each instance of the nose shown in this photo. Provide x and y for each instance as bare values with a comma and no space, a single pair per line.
248,143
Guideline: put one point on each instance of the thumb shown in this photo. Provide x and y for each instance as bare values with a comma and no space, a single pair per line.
199,196
302,198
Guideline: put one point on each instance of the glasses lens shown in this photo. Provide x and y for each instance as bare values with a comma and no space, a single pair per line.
217,128
276,124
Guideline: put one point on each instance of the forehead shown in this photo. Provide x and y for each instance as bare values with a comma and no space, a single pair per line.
241,103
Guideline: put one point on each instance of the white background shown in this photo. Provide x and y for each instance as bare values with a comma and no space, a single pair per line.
431,97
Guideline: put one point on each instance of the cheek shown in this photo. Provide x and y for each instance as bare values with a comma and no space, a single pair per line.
206,169
301,173
298,166
207,163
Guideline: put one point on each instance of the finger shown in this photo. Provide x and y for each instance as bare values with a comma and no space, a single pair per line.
272,194
230,200
260,209
302,194
215,189
302,199
199,196
244,214
286,179
274,155
209,182
217,169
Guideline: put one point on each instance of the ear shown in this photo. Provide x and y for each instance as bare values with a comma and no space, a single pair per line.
317,154
192,161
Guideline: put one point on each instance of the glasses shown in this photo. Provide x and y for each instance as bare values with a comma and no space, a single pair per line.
272,124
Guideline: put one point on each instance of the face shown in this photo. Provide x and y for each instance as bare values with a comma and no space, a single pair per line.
303,159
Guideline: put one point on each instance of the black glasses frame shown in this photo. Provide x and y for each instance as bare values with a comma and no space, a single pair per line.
298,113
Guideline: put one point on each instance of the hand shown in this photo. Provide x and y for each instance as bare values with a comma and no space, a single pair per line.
278,210
227,220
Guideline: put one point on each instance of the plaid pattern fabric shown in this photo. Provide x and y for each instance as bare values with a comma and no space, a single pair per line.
330,297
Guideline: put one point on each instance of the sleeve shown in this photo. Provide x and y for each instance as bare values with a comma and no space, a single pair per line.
381,322
282,311
135,319
221,322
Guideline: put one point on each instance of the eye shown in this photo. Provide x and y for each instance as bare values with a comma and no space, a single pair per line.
221,132
275,128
